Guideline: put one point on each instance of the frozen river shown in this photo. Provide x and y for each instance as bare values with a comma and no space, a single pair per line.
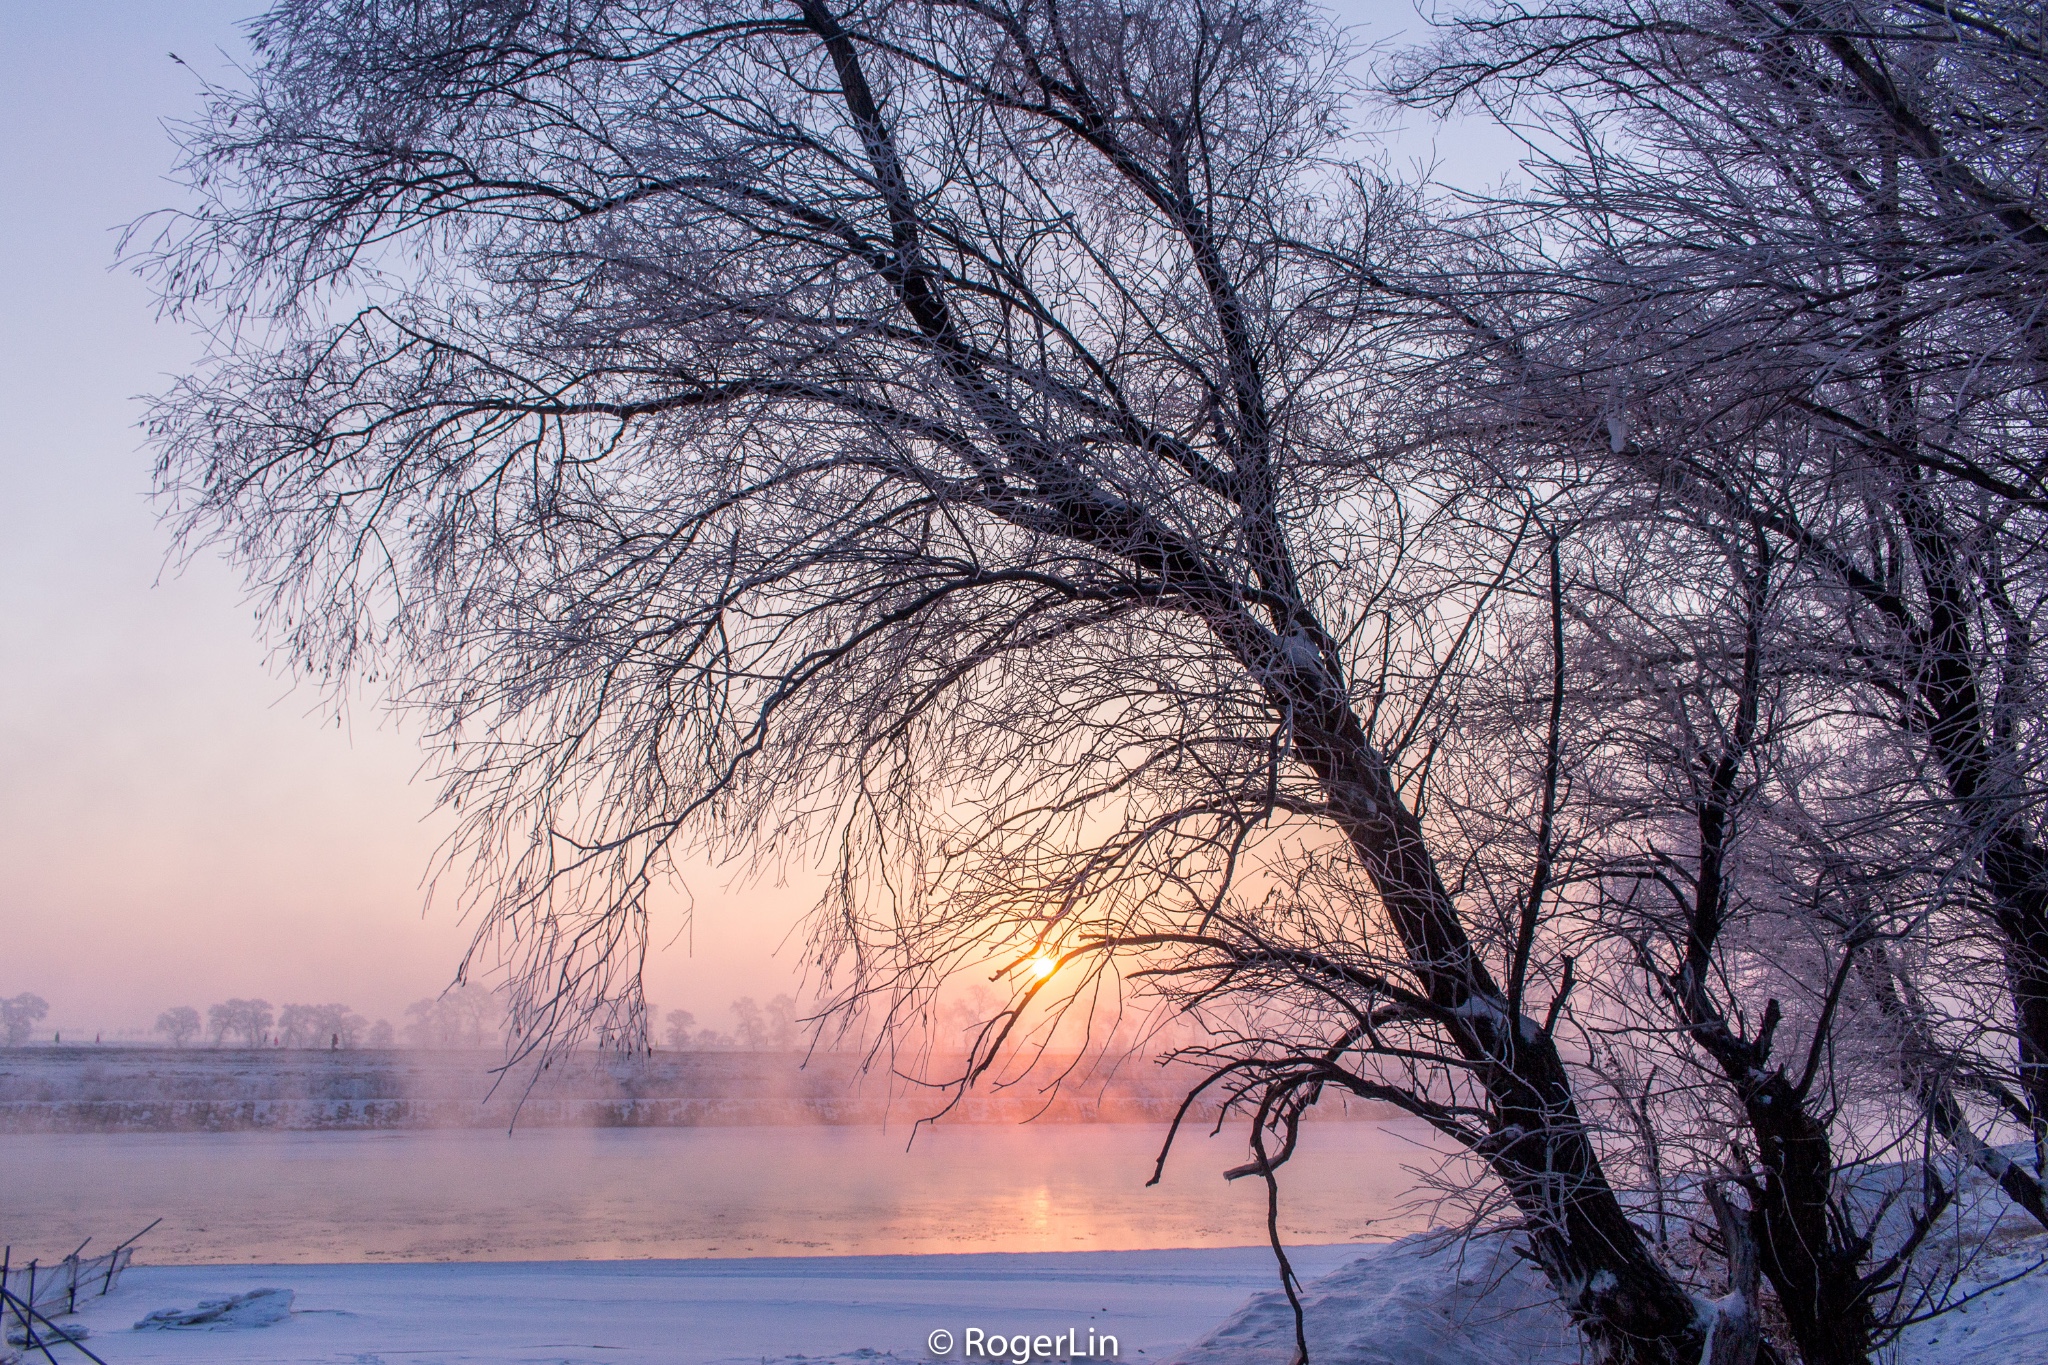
621,1193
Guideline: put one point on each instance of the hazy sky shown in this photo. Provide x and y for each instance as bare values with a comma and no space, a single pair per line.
176,825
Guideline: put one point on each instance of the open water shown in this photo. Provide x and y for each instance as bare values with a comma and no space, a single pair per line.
620,1193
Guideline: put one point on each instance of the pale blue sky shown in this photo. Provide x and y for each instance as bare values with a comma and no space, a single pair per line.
175,825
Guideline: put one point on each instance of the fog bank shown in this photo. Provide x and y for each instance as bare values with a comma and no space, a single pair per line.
146,1089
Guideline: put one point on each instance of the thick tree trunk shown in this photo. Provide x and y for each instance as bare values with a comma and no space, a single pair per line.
1737,1334
1815,1271
1984,775
1816,1275
2015,866
2017,870
1622,1298
1927,1075
1628,1305
1819,1281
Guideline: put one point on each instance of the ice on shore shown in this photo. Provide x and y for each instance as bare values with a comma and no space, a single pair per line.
43,1333
257,1308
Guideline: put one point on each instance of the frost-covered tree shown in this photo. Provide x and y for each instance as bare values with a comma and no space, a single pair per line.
1835,217
1774,281
769,1028
297,1026
19,1015
935,427
320,1026
180,1024
678,1031
250,1019
466,1016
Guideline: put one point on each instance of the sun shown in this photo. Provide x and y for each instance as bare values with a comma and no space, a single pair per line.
1042,965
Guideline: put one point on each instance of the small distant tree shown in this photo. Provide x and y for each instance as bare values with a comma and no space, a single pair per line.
752,1031
248,1019
961,1018
382,1034
297,1025
345,1027
680,1022
467,1016
179,1024
769,1028
321,1026
423,1024
19,1015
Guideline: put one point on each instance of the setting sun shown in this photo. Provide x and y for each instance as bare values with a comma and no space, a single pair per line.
1042,965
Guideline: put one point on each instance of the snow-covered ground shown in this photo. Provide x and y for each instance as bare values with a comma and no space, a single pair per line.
837,1308
1421,1301
1432,1300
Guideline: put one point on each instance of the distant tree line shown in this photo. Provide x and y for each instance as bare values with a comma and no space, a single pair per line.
251,1022
467,1016
756,1028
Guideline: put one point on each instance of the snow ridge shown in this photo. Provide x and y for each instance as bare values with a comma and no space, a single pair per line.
1438,1299
1430,1299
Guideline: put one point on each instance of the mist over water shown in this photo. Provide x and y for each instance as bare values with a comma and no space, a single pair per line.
574,1194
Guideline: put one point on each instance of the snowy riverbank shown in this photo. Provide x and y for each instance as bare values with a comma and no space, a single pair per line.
1430,1300
1416,1302
837,1308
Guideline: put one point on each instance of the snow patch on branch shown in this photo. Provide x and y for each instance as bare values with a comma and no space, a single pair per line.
1495,1014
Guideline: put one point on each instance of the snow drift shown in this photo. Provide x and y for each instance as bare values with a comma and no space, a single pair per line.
1435,1299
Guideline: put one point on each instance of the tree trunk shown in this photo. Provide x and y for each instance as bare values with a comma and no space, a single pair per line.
2017,871
1817,1276
1926,1073
1628,1305
1819,1281
1737,1334
1815,1271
